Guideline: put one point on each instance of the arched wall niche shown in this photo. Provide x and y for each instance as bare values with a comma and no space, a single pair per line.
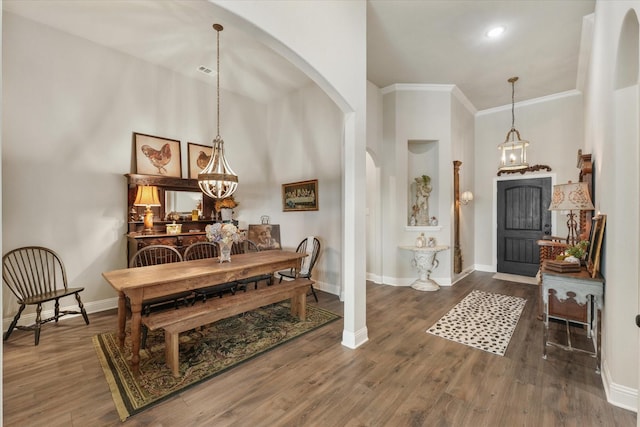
627,58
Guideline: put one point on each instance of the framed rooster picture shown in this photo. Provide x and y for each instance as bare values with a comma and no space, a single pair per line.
157,156
199,156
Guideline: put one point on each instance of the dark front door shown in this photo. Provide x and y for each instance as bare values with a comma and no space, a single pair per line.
523,218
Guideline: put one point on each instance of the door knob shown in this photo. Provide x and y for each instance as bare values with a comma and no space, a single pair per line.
638,320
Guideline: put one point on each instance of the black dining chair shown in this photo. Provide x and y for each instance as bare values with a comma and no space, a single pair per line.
154,255
310,246
203,250
245,247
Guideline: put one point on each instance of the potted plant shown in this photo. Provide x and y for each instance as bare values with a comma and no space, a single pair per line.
576,252
225,207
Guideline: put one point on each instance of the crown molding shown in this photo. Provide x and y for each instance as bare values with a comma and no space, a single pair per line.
416,87
547,98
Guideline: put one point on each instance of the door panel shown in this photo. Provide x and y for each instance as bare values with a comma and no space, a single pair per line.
523,218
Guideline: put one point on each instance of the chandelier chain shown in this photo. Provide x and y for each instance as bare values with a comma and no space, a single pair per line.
513,91
218,77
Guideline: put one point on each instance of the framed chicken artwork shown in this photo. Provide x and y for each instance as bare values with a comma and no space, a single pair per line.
155,155
199,156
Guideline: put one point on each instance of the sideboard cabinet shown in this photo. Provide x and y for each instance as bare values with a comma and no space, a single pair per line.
193,230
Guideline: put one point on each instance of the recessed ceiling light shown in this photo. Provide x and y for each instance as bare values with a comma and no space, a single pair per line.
495,32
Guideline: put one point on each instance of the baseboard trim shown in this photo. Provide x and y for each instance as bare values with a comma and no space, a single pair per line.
355,339
90,307
618,395
485,268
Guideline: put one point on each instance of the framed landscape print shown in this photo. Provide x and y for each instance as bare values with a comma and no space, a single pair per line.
265,236
198,158
300,196
157,156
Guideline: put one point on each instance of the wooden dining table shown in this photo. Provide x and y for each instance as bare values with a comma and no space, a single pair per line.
143,283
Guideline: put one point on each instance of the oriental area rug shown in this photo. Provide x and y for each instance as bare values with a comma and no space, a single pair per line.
204,353
482,320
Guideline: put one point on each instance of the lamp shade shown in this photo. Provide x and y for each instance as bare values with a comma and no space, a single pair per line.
147,195
571,197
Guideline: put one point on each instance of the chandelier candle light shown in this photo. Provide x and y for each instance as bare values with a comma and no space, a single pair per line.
217,179
514,149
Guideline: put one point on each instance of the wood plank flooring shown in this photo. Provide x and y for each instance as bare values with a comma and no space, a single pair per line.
401,377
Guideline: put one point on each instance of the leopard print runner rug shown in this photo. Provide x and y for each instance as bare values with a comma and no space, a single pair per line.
481,320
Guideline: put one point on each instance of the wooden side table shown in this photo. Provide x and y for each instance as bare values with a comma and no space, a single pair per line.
585,291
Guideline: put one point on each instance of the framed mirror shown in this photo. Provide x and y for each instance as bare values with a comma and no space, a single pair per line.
595,244
182,202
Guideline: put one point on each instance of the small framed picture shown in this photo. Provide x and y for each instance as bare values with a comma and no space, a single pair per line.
198,156
300,196
265,236
155,155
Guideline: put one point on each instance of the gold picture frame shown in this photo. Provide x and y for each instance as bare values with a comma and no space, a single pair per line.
197,158
155,155
265,236
595,244
300,196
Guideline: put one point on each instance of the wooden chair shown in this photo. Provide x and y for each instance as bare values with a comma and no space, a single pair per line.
153,255
202,250
307,263
245,247
36,275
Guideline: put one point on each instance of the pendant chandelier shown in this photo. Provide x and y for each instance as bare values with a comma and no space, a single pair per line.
513,151
217,179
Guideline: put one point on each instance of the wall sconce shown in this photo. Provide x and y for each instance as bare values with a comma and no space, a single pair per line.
466,197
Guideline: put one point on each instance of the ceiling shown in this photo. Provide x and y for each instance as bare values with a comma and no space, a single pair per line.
429,42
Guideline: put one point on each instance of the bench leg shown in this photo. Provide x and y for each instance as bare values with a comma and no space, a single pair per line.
299,305
171,342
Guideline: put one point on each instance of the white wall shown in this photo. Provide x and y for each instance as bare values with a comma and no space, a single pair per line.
463,149
70,107
611,135
553,126
374,208
336,61
304,142
415,113
99,97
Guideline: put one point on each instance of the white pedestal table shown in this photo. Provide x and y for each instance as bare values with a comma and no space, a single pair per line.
424,260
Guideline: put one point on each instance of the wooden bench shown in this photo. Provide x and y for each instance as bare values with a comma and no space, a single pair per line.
175,321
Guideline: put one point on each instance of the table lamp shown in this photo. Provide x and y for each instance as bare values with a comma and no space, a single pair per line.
147,195
571,197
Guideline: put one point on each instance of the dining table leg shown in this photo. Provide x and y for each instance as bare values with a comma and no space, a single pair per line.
122,318
135,299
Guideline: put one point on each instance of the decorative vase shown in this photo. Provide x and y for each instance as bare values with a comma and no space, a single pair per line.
225,251
226,214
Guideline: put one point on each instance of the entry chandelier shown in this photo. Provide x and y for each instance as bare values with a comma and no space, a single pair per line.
513,151
217,179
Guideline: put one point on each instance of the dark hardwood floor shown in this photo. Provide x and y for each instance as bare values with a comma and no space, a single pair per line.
401,377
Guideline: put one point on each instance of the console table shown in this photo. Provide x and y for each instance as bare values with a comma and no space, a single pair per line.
583,290
424,259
